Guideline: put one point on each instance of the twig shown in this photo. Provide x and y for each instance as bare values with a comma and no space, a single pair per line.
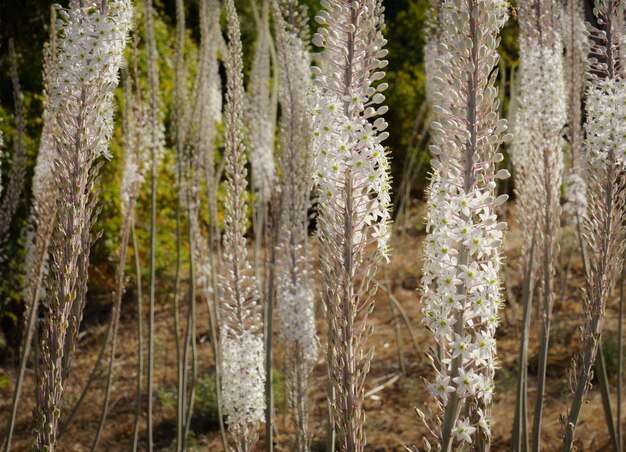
379,388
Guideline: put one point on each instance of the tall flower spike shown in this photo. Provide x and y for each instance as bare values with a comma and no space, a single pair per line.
541,113
241,338
199,154
295,295
604,149
574,40
261,115
41,222
17,175
90,50
352,177
461,289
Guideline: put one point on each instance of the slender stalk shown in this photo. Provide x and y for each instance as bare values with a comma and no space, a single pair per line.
133,79
212,184
151,301
519,441
605,392
352,31
153,88
541,383
269,330
538,158
180,91
139,336
331,434
180,366
396,325
190,336
620,360
115,320
464,178
398,333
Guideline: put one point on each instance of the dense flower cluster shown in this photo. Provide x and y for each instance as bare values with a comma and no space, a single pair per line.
17,174
43,179
576,196
460,222
297,312
348,146
541,110
606,121
242,376
89,56
461,288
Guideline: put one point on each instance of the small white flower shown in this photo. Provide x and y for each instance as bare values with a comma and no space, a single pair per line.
463,430
465,382
441,388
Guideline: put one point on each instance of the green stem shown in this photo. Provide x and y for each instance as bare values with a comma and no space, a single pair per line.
605,392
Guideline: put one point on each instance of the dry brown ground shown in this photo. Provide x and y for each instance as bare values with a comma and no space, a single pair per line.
391,422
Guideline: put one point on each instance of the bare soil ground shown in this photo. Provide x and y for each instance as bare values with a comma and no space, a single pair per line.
391,420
